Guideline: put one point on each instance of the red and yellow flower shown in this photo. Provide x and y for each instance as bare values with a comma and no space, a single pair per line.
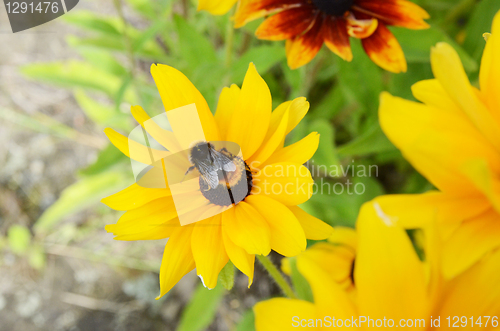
307,24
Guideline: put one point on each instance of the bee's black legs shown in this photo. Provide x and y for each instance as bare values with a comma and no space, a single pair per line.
191,168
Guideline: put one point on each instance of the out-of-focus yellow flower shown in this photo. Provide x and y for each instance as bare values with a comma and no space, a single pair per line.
266,218
390,283
335,256
216,7
307,24
453,139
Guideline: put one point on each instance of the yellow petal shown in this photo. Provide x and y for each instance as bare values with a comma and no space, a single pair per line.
247,229
297,109
217,7
270,144
388,275
432,93
286,182
226,107
133,149
329,296
155,220
161,231
436,141
164,137
280,314
299,152
313,227
241,259
489,77
471,241
177,259
287,235
337,261
448,69
208,250
250,121
485,179
416,210
176,91
134,196
475,293
344,236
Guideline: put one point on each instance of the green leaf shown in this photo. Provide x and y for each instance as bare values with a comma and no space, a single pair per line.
99,113
90,21
226,276
326,153
338,203
78,196
371,141
148,35
329,106
417,45
247,322
19,238
479,23
264,57
201,310
100,59
300,284
149,50
107,158
194,48
360,82
77,74
150,9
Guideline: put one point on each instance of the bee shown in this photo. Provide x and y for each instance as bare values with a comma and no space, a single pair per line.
209,162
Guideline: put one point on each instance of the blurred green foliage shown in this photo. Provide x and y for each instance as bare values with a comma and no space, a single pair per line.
112,73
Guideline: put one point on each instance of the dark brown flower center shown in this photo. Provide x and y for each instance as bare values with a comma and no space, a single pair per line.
233,186
333,7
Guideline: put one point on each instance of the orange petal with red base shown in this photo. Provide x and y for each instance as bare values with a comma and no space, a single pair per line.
395,12
336,37
301,50
383,48
286,24
249,10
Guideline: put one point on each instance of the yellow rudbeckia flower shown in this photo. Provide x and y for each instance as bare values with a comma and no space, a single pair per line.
453,139
392,286
264,219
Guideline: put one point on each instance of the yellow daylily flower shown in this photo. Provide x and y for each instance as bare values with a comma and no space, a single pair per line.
453,139
392,286
264,219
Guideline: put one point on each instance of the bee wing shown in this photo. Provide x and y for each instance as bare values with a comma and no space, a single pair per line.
209,175
223,162
229,167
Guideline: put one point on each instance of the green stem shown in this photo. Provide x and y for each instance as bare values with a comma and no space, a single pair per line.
277,276
456,12
130,49
229,41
